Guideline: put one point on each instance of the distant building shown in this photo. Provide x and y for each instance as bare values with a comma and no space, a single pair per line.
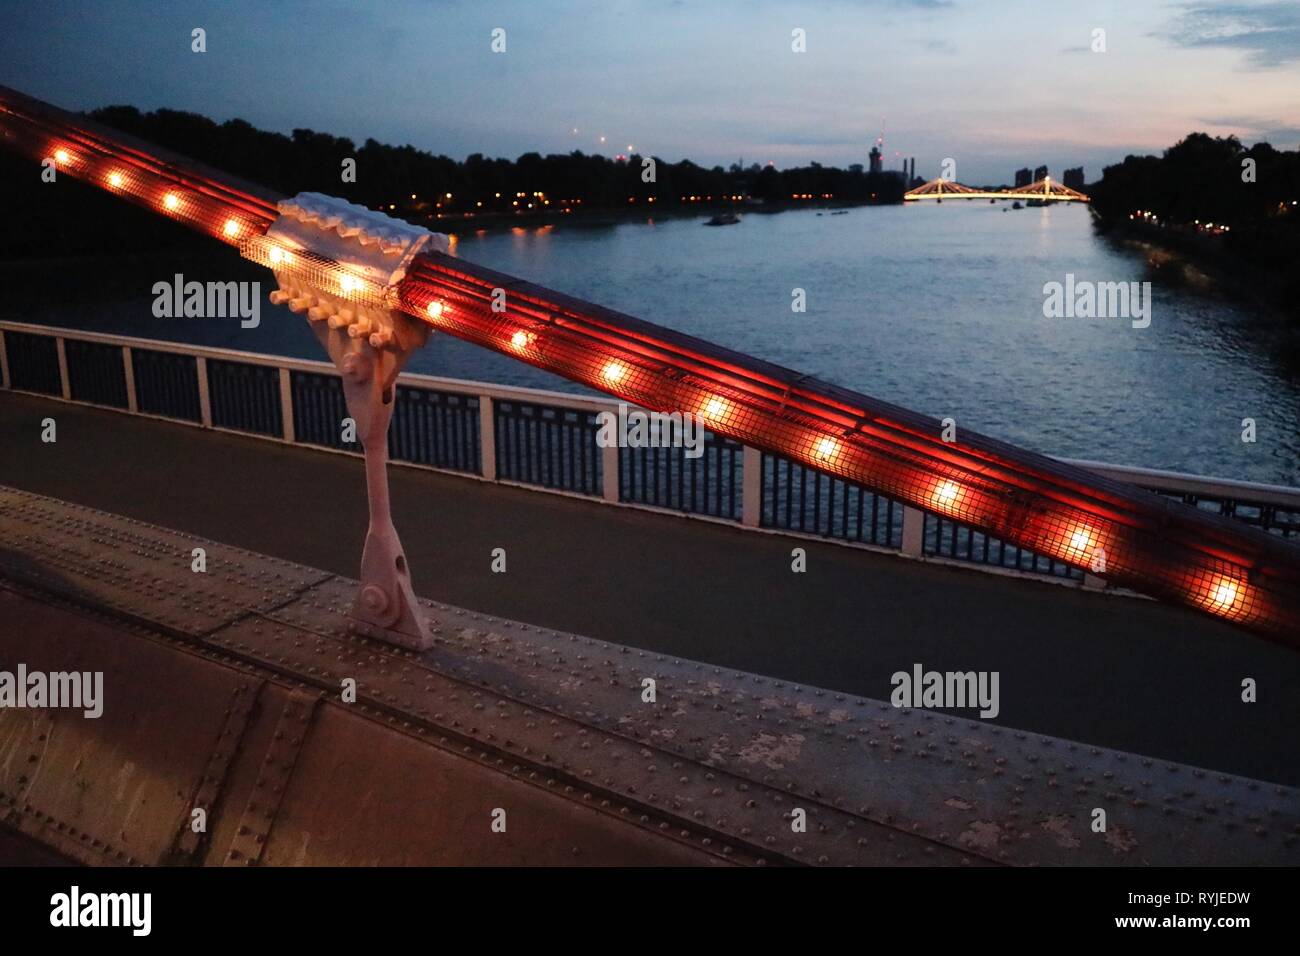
1024,177
1073,178
876,159
1040,173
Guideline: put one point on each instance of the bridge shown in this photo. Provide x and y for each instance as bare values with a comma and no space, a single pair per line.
524,690
1043,190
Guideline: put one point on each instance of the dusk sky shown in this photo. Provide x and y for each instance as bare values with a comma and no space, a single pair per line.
995,84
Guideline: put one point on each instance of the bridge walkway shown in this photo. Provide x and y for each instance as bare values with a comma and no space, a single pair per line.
1072,663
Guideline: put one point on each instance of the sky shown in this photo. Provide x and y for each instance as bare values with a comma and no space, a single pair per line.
991,84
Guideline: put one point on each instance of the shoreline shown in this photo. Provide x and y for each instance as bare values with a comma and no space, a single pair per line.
615,216
1205,265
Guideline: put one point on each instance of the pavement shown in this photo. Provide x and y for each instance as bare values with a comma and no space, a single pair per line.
1110,670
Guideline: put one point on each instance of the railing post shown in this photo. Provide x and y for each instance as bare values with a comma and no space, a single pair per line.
286,405
4,362
487,438
128,373
751,487
609,473
205,400
913,532
64,382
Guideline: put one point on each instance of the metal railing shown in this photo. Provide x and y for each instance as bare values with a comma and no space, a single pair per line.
547,440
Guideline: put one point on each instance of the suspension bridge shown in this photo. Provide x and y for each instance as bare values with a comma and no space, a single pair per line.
1045,189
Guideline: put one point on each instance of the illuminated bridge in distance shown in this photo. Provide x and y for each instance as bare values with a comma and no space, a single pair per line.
1044,189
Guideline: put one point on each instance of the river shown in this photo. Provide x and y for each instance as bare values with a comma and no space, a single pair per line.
934,307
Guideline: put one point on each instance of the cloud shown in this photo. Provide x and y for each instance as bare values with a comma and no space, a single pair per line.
939,46
1269,33
1253,129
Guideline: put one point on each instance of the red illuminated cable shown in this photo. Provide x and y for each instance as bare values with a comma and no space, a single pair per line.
1151,544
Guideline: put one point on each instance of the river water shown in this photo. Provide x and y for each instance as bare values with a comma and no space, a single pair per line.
934,307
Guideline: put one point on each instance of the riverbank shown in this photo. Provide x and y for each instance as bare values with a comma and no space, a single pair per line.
1209,264
602,218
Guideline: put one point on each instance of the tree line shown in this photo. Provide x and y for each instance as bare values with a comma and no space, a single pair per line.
416,184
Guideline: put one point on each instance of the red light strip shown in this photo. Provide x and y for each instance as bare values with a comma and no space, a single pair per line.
163,182
1150,544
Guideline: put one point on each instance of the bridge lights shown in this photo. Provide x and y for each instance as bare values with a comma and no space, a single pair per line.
521,340
715,408
1224,594
231,228
613,372
61,157
171,202
826,449
116,180
1080,543
945,494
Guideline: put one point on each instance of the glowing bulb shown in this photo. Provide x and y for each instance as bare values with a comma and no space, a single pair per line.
826,447
435,309
715,408
613,372
231,228
348,283
170,201
1225,595
1080,540
276,254
946,493
521,339
115,180
62,156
